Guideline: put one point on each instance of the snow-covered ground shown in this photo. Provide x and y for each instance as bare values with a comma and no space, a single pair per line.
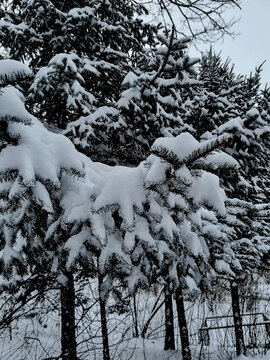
37,335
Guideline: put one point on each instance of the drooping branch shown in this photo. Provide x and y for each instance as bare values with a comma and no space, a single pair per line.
197,154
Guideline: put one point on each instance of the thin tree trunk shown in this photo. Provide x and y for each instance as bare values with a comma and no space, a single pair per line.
169,325
239,336
68,336
156,309
182,323
136,334
104,329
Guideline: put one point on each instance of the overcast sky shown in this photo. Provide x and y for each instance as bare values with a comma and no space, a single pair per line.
252,46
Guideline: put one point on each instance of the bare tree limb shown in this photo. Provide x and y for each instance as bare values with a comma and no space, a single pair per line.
203,20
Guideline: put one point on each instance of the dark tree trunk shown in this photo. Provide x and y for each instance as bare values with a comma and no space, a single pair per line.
136,328
169,325
104,329
182,323
68,336
239,336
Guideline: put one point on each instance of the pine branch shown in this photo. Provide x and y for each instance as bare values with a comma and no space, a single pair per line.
211,167
14,78
210,147
164,63
72,172
167,155
172,158
8,175
107,208
16,119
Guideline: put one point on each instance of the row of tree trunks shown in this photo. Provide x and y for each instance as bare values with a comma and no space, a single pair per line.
68,326
68,336
180,307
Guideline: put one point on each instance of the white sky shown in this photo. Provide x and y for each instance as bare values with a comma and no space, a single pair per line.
252,46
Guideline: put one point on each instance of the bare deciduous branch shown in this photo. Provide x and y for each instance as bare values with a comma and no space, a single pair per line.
203,20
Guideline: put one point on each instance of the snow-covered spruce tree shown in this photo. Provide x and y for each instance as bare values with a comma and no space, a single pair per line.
147,107
246,193
264,149
249,94
217,98
230,250
37,169
250,134
220,95
156,212
263,181
233,247
199,189
222,234
79,50
248,125
242,116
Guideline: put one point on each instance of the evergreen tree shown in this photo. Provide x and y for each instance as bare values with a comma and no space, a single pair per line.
36,167
113,85
148,106
86,43
159,225
215,99
263,147
242,225
111,91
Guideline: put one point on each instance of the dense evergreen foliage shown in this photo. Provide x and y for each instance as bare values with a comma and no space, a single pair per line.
145,168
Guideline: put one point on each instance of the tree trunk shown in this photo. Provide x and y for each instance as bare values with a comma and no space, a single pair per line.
136,328
239,336
68,336
156,309
104,329
169,325
182,323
